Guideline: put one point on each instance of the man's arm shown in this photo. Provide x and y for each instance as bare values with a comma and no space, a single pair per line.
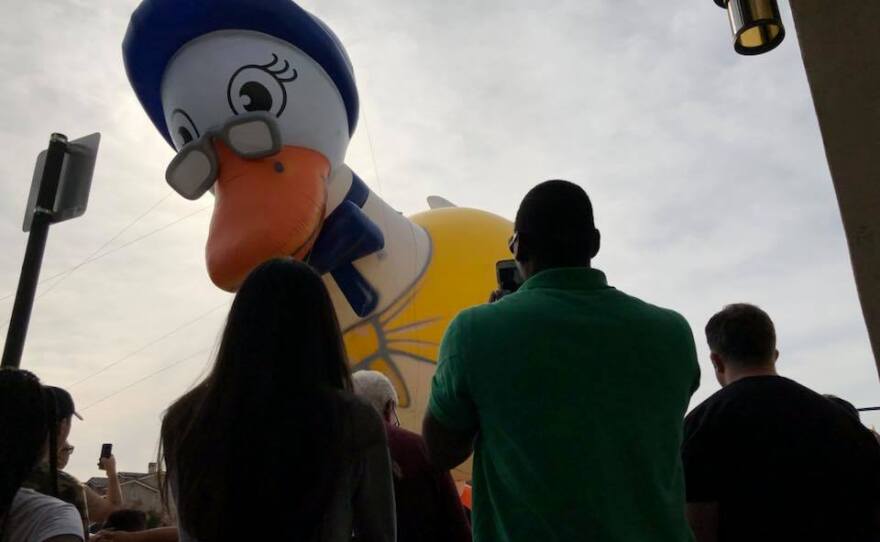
114,489
703,519
99,507
160,534
451,420
447,449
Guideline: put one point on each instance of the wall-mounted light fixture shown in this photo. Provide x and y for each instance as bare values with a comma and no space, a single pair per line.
756,25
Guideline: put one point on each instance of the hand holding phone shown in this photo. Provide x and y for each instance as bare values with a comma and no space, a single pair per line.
509,279
107,462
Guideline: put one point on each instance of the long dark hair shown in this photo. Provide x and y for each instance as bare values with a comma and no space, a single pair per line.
262,436
24,429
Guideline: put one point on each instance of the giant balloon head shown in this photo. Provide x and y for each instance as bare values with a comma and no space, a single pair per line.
197,65
258,98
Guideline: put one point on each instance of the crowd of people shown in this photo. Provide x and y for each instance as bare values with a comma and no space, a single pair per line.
571,396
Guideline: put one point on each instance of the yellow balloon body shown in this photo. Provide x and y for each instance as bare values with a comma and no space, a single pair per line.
403,340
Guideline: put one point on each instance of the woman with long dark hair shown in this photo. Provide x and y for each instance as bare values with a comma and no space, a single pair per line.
27,431
273,445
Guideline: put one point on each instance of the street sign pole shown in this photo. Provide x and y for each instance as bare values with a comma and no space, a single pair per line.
33,257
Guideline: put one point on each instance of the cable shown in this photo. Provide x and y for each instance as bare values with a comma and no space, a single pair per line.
149,344
372,150
107,243
120,247
149,376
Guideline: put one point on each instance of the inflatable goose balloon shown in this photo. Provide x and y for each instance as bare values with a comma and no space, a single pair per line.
259,100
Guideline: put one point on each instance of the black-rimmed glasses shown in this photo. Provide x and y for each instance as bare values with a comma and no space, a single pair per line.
513,243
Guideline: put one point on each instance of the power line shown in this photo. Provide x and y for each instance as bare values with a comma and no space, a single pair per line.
372,151
144,379
107,243
148,345
117,249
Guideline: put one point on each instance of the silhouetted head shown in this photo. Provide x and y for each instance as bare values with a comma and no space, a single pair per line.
65,410
263,432
24,430
554,227
742,339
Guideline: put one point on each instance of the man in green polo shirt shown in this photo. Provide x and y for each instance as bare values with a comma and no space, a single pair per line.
571,392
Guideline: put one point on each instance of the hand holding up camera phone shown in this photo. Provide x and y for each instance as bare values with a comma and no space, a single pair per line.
509,279
107,462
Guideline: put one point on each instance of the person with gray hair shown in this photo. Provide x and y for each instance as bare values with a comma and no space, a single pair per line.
427,502
379,392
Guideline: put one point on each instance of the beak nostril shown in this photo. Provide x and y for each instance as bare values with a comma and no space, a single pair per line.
279,167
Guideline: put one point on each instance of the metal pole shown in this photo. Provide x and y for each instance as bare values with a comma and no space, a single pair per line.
33,256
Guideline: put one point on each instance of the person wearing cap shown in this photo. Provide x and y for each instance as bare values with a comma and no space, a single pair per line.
26,423
571,391
93,508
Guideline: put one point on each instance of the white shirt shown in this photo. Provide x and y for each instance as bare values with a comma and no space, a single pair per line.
34,517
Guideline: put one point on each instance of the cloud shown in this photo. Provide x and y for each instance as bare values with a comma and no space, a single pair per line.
706,170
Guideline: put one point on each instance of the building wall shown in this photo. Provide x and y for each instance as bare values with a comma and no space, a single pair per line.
840,46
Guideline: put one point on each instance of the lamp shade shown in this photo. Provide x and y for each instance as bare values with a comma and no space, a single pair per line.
756,25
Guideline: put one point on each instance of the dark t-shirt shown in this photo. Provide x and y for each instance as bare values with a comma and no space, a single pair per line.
783,463
428,506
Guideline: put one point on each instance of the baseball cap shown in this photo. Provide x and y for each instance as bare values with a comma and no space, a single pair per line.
63,403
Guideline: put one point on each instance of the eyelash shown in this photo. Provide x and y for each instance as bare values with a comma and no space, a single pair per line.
277,73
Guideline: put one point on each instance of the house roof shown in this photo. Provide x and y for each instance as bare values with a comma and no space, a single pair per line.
150,480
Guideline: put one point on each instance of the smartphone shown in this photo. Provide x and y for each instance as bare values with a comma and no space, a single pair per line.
106,450
508,275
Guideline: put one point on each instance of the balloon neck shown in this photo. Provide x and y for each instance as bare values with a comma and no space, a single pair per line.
347,235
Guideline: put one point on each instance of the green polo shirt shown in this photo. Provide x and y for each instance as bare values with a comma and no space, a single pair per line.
578,393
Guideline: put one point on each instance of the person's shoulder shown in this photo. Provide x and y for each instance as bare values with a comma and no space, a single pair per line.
478,313
404,437
699,412
40,479
748,391
469,322
715,406
367,425
68,479
657,313
31,505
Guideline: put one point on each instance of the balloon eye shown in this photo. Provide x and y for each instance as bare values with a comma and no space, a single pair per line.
255,97
185,135
255,88
182,128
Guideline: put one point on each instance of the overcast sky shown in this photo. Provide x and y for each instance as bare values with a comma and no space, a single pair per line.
706,170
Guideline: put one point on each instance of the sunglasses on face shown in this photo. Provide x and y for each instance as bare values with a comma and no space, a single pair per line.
251,136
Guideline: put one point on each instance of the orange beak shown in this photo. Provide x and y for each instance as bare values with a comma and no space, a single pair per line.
263,209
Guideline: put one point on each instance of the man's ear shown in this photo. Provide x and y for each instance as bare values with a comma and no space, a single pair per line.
522,252
717,362
388,414
775,356
596,243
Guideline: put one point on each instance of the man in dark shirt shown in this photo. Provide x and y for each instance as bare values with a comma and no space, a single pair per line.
427,502
768,459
